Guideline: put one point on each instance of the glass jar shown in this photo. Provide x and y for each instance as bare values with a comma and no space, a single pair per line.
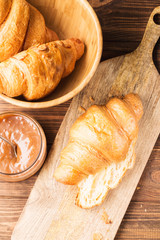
24,131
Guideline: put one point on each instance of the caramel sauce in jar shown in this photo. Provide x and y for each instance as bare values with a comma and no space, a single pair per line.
29,138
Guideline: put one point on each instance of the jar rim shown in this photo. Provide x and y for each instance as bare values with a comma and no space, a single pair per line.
39,128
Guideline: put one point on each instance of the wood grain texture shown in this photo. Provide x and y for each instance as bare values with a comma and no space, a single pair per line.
51,202
123,24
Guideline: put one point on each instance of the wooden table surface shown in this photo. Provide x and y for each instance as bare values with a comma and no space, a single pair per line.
123,23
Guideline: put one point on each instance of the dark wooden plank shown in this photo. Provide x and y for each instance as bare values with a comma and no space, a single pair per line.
123,23
142,221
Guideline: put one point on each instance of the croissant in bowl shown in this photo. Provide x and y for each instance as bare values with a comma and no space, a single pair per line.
100,149
36,72
21,26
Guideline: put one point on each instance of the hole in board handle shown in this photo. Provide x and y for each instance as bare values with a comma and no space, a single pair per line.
156,18
156,55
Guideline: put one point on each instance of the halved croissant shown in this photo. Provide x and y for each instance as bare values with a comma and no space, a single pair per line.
21,26
35,73
100,148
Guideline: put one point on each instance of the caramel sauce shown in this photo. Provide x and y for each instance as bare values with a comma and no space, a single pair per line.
24,133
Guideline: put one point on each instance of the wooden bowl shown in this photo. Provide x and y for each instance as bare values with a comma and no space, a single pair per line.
69,18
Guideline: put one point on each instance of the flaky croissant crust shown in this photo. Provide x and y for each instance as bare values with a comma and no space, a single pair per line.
21,26
36,72
100,136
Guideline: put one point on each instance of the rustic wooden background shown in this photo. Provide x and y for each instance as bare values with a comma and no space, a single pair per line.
123,23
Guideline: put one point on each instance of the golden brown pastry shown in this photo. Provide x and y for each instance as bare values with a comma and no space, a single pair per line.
13,29
22,26
5,6
35,73
37,32
100,148
50,35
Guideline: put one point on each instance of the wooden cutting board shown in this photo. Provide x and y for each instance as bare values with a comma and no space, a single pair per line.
50,212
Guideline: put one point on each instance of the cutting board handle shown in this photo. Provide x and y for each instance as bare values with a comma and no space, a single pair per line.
151,35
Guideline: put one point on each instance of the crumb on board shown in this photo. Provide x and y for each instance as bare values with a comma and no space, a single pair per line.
106,218
145,210
91,99
82,109
138,188
97,236
141,206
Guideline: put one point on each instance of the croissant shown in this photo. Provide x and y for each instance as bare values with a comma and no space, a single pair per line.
21,26
36,72
100,149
